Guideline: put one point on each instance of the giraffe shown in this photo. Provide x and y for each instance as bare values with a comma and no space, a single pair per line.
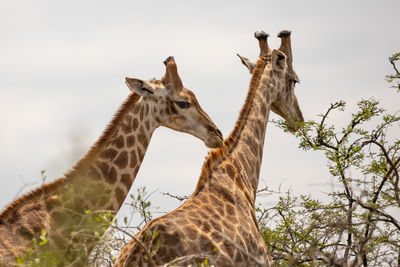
218,222
102,178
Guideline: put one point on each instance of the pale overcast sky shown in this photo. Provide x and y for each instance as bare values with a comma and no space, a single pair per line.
62,69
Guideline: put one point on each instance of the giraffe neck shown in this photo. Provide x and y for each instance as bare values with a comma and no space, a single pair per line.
242,155
98,182
102,179
248,147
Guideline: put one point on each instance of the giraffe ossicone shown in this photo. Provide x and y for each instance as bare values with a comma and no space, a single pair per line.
218,221
102,178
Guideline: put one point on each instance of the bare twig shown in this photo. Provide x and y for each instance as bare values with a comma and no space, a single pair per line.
180,198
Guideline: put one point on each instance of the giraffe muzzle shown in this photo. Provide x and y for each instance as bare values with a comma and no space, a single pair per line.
216,139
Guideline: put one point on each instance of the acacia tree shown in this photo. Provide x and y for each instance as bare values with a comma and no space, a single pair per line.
357,226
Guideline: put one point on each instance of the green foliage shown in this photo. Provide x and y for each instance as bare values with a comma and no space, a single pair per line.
75,249
141,203
394,78
119,234
356,227
204,263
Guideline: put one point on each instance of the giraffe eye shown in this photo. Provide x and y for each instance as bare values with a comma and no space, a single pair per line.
182,104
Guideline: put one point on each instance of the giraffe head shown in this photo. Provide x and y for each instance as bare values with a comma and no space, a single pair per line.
175,106
283,77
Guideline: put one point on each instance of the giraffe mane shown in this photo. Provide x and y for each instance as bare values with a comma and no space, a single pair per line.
33,195
55,185
106,135
216,155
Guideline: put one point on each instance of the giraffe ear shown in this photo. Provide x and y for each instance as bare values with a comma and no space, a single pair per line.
142,88
278,60
245,61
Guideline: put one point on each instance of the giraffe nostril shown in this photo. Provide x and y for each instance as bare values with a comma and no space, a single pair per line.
219,133
215,131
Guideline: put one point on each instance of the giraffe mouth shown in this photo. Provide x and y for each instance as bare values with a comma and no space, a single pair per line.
215,138
293,126
215,141
292,119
